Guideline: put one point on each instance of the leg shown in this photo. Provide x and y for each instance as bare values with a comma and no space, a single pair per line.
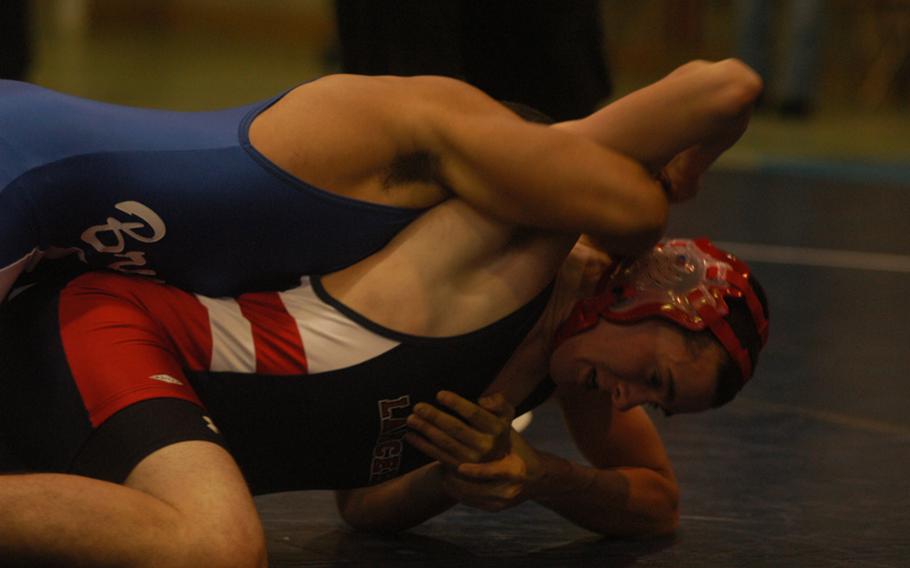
184,505
406,37
547,54
15,44
182,501
753,32
800,71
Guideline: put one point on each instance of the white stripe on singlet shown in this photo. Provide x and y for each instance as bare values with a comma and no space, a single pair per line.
331,340
232,336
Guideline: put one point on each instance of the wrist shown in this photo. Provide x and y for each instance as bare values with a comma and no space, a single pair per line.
555,478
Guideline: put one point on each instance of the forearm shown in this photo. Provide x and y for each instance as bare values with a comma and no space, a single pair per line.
614,501
558,181
699,104
67,520
536,176
397,504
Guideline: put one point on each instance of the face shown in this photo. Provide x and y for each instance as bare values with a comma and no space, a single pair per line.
647,362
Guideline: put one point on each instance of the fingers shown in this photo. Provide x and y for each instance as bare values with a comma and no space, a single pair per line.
481,434
490,471
497,405
496,494
431,451
445,446
477,416
434,423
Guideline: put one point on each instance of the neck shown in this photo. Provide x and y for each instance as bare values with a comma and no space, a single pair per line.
578,278
530,363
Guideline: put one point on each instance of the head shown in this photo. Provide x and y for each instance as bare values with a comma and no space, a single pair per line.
528,113
680,328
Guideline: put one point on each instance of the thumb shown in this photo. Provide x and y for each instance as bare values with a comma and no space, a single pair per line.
490,471
498,405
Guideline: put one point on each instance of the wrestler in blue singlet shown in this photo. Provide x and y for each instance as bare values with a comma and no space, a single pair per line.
178,196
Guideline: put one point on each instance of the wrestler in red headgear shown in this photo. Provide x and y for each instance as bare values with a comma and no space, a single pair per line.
692,284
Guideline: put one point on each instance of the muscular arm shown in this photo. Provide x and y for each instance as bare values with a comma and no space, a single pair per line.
594,175
700,109
533,175
586,182
629,489
397,504
456,139
184,505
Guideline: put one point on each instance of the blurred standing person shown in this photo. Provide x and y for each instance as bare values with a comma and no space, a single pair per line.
15,52
796,91
544,53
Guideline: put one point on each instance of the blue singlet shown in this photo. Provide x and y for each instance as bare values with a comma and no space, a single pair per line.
178,196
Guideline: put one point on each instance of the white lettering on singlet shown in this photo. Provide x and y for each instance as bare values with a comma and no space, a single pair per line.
386,462
111,237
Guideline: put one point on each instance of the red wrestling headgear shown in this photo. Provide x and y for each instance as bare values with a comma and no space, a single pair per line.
685,281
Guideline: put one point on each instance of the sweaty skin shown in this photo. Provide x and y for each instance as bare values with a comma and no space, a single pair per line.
329,174
468,265
406,143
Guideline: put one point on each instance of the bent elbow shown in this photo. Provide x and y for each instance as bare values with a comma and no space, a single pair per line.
668,526
351,510
665,518
361,524
657,512
226,551
667,522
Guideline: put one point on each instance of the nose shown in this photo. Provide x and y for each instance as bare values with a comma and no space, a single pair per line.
628,395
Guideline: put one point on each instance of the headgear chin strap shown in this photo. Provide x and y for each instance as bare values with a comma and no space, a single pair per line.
685,281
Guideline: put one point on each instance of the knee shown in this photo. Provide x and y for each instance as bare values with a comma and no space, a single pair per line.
249,551
225,543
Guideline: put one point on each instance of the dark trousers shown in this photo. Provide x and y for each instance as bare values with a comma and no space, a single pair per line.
14,39
544,53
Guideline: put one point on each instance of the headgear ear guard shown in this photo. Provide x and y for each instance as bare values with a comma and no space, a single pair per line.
687,282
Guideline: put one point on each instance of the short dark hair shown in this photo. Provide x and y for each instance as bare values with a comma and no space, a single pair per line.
729,376
528,112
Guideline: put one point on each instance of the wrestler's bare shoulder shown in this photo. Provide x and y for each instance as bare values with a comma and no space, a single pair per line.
359,136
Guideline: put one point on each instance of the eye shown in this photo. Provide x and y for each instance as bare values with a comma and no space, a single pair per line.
592,380
655,382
